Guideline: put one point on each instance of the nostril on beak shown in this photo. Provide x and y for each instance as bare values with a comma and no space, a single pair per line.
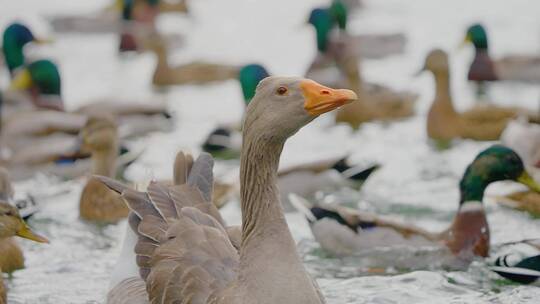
325,92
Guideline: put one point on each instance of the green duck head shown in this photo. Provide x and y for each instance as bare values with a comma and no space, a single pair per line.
476,34
127,6
496,163
249,77
41,77
16,36
323,22
340,13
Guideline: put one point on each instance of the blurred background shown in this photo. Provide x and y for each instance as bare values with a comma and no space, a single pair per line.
416,183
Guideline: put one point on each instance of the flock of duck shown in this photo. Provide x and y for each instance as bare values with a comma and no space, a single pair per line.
178,248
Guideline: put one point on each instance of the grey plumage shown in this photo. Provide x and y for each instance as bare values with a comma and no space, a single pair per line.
183,250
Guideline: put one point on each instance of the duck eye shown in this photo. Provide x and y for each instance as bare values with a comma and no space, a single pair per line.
282,91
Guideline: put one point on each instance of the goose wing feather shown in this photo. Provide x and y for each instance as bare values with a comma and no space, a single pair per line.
183,251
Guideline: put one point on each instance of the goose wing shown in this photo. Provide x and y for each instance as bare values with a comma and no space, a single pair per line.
183,251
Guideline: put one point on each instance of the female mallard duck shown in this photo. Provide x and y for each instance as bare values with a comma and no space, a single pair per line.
343,231
196,72
97,202
246,265
11,256
16,36
524,138
106,20
371,46
337,64
484,122
484,68
42,81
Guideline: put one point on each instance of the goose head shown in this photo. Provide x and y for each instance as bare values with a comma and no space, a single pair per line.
11,224
496,163
282,105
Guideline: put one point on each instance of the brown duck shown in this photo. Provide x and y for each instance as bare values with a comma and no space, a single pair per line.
11,224
98,203
336,64
196,72
444,123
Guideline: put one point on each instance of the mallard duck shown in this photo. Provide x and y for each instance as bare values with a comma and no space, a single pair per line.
239,261
196,72
336,64
42,81
521,264
484,122
343,231
16,36
371,46
11,256
97,202
106,20
524,68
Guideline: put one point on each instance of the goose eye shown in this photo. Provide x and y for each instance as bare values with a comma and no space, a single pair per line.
282,91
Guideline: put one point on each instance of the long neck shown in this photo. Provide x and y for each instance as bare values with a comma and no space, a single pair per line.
104,162
443,97
259,193
161,54
266,238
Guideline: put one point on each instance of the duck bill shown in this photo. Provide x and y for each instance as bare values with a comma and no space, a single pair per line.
466,41
43,40
27,233
320,99
21,81
526,179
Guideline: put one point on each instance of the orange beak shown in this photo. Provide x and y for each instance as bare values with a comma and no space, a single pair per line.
320,99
